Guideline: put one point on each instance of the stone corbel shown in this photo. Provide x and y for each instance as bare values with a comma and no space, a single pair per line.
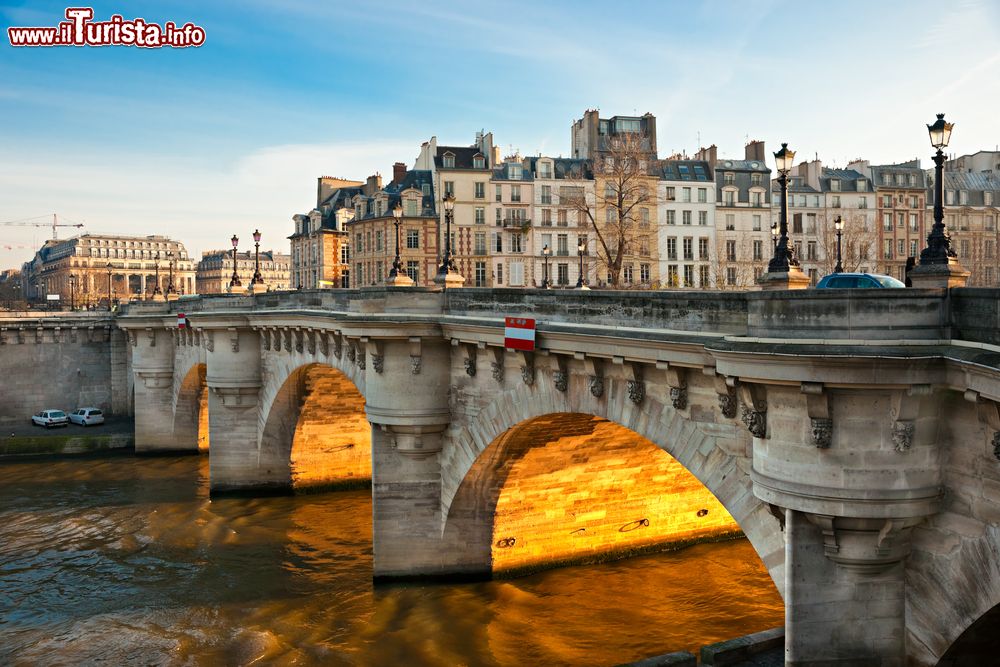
338,345
725,387
72,334
132,338
297,336
560,376
265,336
754,414
286,339
904,411
497,364
989,416
416,442
151,334
375,350
593,367
818,408
634,384
471,353
528,367
416,355
323,339
234,339
677,382
310,335
208,339
237,397
866,545
39,335
156,379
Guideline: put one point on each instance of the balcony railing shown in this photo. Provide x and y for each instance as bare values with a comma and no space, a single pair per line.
516,223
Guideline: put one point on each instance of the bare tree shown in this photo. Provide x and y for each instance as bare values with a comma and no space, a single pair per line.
857,244
622,190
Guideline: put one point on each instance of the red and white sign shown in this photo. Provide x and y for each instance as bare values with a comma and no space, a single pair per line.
519,334
181,321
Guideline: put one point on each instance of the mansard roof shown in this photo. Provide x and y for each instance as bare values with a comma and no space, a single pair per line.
463,157
685,170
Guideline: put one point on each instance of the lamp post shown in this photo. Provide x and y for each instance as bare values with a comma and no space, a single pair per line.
108,267
397,276
235,280
447,274
546,251
784,257
838,224
72,292
171,259
938,250
257,279
774,236
581,250
156,287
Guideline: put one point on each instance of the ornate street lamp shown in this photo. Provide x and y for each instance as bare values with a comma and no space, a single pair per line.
784,257
838,224
257,279
581,250
235,280
938,250
397,264
108,267
72,292
447,273
170,268
546,283
774,235
156,288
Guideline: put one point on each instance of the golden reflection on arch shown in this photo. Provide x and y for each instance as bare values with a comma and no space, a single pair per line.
570,487
191,410
318,430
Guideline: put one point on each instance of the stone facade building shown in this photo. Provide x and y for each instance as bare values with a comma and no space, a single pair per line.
215,271
557,223
511,212
131,261
372,231
320,252
972,213
686,224
901,203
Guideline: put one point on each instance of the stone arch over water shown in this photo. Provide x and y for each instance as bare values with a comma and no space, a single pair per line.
315,432
482,480
191,408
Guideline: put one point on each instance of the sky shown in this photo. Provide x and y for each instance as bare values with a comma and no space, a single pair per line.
203,143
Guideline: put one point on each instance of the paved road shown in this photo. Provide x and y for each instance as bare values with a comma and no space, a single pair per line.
24,427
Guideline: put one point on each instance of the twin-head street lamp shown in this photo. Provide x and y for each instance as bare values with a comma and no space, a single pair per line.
938,250
257,279
156,287
447,273
581,250
170,269
72,292
108,267
546,283
784,258
235,280
838,224
397,276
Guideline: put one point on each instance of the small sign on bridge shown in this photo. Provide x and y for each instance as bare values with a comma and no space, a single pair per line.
181,321
519,334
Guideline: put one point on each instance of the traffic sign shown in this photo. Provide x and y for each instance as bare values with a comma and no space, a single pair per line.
519,334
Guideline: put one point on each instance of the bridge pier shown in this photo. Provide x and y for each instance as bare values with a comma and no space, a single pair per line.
153,365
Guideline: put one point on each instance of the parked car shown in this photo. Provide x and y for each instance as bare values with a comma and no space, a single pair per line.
87,416
858,280
49,418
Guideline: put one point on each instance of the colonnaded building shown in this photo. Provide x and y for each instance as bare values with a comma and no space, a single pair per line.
91,267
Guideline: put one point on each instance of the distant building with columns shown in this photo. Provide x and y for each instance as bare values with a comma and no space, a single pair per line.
215,271
89,259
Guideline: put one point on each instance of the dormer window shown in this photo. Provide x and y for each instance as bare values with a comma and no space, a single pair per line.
411,207
862,185
515,172
545,170
835,184
425,188
479,162
449,160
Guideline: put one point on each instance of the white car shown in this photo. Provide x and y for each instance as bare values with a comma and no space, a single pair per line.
87,416
49,418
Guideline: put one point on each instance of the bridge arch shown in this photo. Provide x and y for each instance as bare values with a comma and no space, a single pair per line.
315,433
708,461
191,408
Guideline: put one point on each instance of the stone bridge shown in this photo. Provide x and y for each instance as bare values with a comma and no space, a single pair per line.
852,436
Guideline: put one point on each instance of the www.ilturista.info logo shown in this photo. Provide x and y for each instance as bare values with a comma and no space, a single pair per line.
80,30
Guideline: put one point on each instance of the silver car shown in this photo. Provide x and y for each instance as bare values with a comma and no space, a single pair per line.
50,418
87,416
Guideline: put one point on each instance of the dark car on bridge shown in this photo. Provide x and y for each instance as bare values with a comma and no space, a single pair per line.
858,280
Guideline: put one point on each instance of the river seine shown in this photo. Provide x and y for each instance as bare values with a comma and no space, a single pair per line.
125,560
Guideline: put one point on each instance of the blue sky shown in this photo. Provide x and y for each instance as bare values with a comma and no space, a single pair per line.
204,142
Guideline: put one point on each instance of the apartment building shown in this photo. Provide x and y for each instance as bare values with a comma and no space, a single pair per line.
558,222
686,223
214,271
901,199
372,231
513,189
320,252
971,214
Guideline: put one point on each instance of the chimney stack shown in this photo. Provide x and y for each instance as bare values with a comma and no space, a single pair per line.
755,151
398,172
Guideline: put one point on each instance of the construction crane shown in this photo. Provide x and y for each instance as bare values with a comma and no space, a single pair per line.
27,222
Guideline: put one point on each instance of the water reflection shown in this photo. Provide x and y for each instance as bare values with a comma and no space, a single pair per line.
127,561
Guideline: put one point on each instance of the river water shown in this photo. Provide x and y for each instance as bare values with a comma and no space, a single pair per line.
125,560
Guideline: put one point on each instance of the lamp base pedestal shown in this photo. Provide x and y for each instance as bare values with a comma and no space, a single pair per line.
449,279
158,297
400,280
582,288
939,275
257,288
794,278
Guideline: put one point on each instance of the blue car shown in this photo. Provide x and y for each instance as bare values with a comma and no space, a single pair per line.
858,280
